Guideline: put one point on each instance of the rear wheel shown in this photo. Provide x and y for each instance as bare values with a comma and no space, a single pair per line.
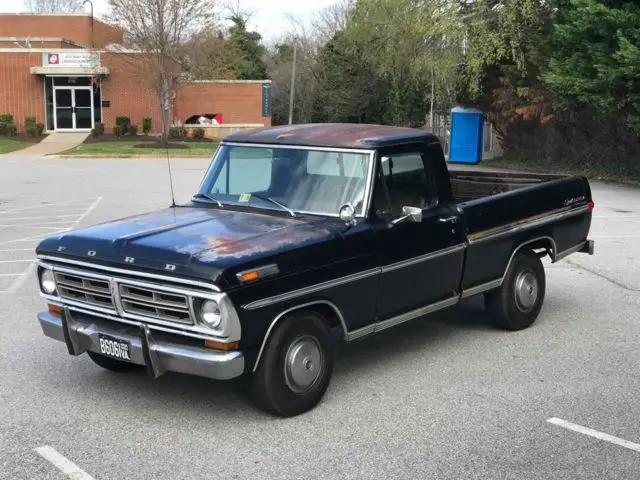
296,366
515,305
112,364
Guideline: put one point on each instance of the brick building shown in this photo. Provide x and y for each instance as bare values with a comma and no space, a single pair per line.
71,72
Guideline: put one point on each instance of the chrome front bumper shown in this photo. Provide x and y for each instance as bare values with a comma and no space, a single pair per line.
80,333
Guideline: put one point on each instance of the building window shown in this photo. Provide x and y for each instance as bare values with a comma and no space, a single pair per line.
72,81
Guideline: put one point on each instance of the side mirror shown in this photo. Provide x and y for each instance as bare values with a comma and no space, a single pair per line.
348,214
411,214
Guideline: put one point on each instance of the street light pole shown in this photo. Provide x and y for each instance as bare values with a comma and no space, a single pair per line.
91,4
293,82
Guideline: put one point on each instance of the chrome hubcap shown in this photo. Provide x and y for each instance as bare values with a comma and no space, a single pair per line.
526,291
303,364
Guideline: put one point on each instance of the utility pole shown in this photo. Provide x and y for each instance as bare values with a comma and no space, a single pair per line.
293,82
433,81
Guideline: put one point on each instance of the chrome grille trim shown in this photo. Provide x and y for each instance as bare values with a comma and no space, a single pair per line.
84,289
154,303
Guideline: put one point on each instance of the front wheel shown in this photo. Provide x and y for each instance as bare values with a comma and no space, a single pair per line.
515,305
296,366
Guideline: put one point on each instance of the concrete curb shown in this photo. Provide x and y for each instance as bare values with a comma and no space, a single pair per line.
89,157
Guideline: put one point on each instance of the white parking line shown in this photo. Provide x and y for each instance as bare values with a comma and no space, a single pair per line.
595,434
63,464
30,269
42,205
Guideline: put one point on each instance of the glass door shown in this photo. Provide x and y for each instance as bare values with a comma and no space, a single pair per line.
74,108
83,108
63,102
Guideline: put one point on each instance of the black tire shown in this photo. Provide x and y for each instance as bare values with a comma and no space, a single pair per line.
112,364
294,343
515,305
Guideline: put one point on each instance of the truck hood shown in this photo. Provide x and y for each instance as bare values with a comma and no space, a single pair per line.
193,242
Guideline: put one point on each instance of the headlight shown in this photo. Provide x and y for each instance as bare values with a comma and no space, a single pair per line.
47,282
211,313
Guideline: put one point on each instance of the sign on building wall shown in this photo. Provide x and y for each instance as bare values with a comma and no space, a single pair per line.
266,99
70,59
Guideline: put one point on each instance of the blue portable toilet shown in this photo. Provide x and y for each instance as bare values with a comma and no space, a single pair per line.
466,135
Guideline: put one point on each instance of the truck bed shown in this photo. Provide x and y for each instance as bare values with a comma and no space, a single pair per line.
469,185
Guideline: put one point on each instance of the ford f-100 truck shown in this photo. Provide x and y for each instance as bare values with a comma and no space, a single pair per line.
298,236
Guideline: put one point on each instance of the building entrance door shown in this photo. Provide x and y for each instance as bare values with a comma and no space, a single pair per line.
73,108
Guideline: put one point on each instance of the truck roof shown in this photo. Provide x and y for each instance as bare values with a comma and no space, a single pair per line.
341,135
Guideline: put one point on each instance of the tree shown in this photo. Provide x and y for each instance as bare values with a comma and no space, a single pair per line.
53,6
211,56
156,30
594,58
249,44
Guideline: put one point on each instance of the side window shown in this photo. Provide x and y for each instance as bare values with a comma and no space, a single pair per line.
408,182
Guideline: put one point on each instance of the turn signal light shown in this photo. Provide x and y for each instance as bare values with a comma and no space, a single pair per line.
55,309
591,205
226,346
250,276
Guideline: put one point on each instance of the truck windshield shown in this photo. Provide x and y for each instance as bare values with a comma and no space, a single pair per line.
298,180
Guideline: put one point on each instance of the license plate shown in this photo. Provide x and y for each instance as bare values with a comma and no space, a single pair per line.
115,347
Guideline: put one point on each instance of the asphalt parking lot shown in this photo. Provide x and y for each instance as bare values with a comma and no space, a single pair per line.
447,397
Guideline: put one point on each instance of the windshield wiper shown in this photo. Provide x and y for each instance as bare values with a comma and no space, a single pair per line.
208,197
269,199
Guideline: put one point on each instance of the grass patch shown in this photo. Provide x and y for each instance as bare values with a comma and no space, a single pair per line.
133,148
8,145
617,173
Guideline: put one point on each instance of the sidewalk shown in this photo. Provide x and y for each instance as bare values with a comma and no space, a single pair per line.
54,142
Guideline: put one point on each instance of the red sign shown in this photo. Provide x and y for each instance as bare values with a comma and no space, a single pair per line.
54,59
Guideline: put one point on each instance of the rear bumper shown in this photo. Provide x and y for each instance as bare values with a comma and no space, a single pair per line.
588,247
80,333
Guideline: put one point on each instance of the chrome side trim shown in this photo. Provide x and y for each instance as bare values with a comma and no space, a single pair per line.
485,287
423,258
298,147
311,289
480,237
418,312
569,251
135,273
399,319
289,310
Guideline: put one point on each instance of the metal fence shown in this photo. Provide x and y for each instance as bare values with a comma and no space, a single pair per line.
442,129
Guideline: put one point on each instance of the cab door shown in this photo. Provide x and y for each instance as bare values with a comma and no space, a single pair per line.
421,260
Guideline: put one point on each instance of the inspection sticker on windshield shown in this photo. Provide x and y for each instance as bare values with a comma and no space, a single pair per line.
245,197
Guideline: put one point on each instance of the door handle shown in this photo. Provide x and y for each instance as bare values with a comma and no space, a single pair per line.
451,219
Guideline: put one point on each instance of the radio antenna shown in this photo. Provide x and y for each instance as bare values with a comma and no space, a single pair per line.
173,197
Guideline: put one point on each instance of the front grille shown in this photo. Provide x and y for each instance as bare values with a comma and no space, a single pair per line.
154,303
84,289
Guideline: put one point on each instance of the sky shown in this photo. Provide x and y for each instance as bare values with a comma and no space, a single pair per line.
269,17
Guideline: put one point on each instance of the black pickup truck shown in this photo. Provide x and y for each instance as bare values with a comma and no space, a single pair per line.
295,234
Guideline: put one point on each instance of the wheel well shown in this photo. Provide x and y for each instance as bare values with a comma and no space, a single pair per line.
546,244
328,310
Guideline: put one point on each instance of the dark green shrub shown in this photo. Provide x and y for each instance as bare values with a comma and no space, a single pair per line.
117,131
198,133
133,130
123,123
98,129
178,131
39,129
6,124
146,125
30,126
